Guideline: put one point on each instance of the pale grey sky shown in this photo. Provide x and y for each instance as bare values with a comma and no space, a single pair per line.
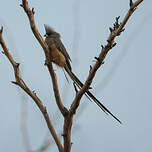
123,84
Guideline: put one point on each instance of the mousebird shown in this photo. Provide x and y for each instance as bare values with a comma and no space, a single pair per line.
61,58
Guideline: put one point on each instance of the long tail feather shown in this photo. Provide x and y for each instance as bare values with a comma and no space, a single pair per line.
80,85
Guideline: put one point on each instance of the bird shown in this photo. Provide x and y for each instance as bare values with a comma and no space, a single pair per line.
61,58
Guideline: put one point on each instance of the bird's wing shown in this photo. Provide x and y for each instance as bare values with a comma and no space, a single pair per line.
62,49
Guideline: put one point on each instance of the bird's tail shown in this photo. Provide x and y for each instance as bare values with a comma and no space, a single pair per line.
80,85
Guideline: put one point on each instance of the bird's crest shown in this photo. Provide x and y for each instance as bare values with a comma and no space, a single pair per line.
50,31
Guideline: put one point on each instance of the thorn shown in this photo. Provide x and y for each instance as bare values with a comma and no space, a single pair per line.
34,92
117,18
46,62
21,5
17,65
14,82
103,62
110,29
63,135
3,52
108,41
1,30
33,11
123,30
90,88
102,46
114,44
97,58
90,68
116,24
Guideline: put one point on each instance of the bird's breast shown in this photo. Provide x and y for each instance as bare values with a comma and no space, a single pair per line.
57,57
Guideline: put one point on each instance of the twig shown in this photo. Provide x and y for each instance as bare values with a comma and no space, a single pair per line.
122,54
19,81
114,32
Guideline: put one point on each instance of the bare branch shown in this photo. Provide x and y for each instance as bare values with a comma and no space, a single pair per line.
48,63
19,81
114,32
